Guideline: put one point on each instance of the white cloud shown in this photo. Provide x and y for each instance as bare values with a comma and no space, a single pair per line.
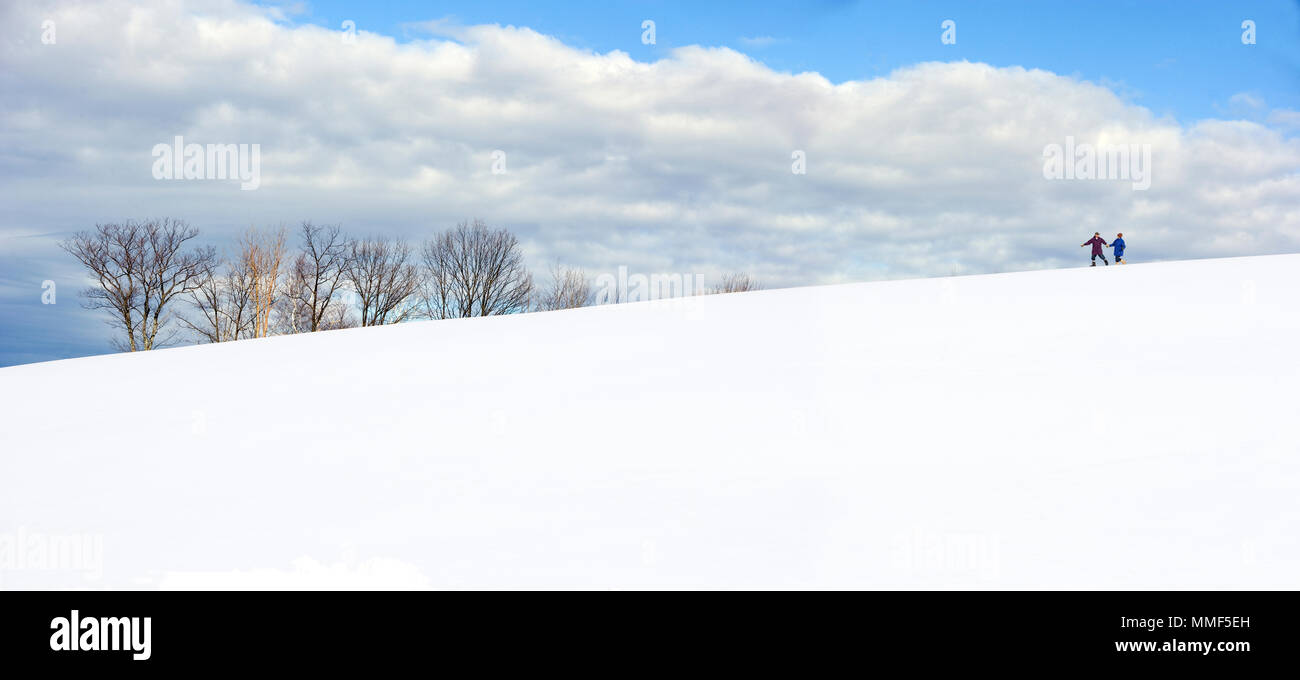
681,164
1246,100
1285,118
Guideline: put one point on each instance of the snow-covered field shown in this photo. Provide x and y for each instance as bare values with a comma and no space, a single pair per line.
1121,427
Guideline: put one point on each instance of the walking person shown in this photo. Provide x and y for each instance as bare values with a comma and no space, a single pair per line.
1097,242
1118,245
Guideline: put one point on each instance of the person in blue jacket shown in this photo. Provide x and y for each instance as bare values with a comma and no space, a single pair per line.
1118,245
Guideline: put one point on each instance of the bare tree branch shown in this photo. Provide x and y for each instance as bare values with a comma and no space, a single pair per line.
262,257
735,283
315,282
224,304
569,289
472,270
140,267
384,279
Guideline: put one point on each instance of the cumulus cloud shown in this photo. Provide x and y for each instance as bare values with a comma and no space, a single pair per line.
1285,118
681,164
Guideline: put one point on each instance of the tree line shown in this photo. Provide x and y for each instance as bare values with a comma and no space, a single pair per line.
156,282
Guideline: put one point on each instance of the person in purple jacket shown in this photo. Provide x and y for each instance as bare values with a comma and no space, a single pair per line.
1097,242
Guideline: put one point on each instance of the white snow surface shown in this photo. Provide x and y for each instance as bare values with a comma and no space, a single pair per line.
1121,427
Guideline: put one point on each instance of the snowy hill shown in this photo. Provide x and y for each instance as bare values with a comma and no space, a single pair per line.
1121,427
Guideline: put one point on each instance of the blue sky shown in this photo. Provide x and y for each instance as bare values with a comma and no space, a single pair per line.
918,172
1184,59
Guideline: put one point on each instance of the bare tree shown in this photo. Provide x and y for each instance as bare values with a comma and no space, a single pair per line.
140,267
338,315
262,257
472,270
385,281
295,311
224,304
569,289
736,283
314,286
291,315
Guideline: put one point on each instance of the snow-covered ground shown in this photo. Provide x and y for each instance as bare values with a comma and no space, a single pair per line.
1121,427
